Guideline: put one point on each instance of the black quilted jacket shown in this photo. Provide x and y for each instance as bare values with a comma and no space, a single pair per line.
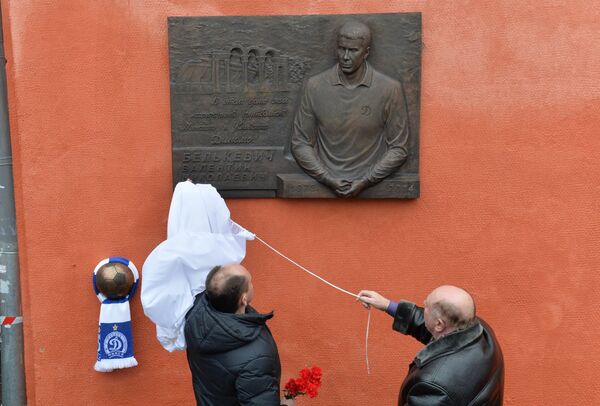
233,357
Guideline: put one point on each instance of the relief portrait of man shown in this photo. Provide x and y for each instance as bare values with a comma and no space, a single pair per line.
351,128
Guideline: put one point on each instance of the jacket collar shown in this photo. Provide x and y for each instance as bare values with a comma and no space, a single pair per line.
334,76
215,331
448,344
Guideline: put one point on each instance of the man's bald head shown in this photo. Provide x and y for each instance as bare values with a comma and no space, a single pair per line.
227,286
453,305
356,30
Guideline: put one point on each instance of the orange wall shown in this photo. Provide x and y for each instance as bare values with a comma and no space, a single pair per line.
509,203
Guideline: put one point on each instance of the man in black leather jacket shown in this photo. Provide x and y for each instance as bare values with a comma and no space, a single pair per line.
462,362
231,352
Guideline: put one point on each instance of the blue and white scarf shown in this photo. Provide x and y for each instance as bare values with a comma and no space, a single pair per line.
115,341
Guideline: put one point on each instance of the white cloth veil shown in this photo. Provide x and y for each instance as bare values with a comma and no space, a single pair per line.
200,235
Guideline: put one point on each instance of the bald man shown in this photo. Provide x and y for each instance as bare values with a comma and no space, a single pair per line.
231,352
461,363
351,128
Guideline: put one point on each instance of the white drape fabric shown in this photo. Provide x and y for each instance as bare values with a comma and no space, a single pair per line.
200,235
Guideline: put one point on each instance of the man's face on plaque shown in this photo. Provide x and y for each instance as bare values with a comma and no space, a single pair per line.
351,53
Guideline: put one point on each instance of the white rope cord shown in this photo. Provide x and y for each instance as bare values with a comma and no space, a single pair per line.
306,270
367,342
333,286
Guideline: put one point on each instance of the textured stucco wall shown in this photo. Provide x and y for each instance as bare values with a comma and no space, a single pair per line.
510,196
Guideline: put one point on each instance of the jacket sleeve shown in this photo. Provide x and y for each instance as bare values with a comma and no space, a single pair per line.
258,384
409,320
428,394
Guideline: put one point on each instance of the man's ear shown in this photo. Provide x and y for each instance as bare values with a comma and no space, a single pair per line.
367,53
440,325
244,300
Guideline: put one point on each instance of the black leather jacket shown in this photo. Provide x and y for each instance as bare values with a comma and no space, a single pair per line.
465,367
233,357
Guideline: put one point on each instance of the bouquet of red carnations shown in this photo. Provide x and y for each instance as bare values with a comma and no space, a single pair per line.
308,383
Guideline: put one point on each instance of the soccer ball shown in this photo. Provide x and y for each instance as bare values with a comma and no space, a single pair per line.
114,280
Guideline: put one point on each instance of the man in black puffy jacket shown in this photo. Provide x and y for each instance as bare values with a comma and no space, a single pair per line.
231,352
461,364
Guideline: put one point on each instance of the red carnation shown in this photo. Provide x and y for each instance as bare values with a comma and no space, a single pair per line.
316,374
311,390
292,388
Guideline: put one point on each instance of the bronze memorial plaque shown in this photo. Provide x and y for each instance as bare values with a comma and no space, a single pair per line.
317,106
